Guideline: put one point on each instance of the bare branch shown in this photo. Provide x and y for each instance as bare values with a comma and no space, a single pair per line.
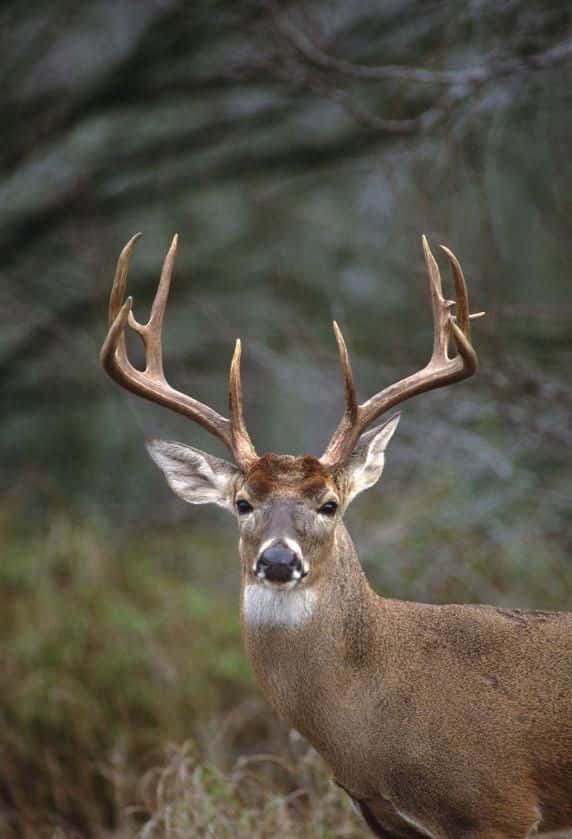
477,74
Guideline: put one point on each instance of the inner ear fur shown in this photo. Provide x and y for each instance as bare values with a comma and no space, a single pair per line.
194,475
367,460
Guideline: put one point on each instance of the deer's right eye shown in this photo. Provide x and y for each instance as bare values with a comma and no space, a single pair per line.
243,507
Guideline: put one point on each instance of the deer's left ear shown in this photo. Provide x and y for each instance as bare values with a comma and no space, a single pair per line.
366,463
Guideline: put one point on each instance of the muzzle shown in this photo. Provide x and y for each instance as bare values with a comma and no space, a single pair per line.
279,564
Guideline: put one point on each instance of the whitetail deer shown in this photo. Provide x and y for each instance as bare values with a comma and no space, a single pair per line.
439,721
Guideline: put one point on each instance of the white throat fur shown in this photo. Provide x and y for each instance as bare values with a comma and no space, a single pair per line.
268,606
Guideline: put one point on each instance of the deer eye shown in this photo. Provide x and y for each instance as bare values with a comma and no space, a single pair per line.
329,508
243,507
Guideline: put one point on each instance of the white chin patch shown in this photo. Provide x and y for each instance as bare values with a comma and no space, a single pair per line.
268,605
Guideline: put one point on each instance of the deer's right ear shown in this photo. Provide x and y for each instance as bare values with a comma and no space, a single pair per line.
195,476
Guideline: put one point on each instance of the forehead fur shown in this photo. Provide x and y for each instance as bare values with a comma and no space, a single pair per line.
288,474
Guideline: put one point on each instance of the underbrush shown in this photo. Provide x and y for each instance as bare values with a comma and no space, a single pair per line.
264,795
109,652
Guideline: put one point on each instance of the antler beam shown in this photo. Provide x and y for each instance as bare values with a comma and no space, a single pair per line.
440,371
151,382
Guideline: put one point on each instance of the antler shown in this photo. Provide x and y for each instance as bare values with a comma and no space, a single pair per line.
151,382
440,371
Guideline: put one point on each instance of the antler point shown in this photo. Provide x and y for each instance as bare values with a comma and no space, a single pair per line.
427,252
236,353
125,254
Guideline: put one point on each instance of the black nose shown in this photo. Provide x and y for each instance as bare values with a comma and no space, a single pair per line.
278,564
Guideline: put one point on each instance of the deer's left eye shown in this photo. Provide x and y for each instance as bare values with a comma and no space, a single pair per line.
243,507
329,508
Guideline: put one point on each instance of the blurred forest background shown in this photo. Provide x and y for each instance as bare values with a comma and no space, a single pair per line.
300,150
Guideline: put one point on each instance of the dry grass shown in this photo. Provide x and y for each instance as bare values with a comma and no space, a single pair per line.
264,795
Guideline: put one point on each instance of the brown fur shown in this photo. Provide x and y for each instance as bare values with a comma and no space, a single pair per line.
459,717
453,722
284,473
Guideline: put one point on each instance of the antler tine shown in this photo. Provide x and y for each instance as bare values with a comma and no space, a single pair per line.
240,438
461,293
441,370
120,278
151,382
113,355
461,323
351,407
350,418
113,348
441,308
151,331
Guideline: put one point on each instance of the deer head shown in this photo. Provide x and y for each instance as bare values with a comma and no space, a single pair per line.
289,509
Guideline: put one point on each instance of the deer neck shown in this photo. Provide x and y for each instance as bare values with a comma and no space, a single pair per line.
311,647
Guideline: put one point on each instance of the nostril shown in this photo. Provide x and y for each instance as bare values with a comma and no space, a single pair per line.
278,563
